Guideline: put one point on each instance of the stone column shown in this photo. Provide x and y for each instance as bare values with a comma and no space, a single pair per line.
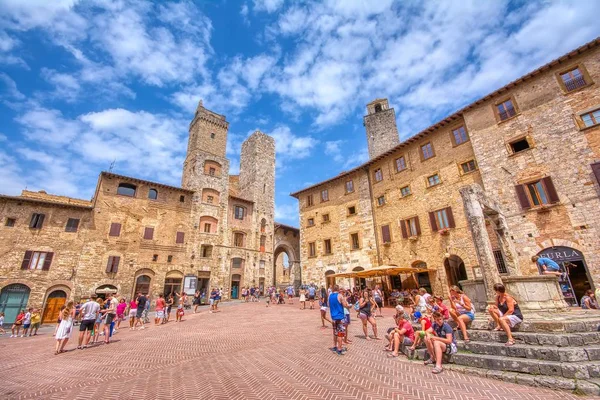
507,245
476,220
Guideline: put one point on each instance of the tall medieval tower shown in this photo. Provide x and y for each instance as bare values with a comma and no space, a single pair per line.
380,124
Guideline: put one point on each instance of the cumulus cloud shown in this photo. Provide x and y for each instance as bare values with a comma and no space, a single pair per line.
286,213
267,5
291,146
333,149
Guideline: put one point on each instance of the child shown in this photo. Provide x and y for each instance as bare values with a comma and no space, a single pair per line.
425,331
441,307
36,320
2,331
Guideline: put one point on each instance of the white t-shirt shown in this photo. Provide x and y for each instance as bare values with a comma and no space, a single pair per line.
90,310
27,319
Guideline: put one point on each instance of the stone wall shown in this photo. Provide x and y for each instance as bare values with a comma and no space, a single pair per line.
380,125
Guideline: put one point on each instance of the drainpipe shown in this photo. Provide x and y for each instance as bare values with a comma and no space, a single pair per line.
366,169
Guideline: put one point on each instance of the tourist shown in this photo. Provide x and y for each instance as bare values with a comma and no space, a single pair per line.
169,305
180,311
589,301
337,303
441,307
462,310
273,295
98,322
59,319
196,301
36,320
420,336
323,309
312,291
27,322
2,331
403,334
141,306
218,298
63,333
348,295
548,266
159,310
419,300
378,297
366,305
17,324
109,315
211,300
77,313
303,298
388,336
290,294
132,312
442,342
146,310
323,294
121,307
250,293
89,311
506,312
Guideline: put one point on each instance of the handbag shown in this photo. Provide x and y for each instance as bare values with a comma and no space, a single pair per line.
357,306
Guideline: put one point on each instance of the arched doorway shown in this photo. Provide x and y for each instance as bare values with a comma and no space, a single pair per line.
54,302
104,290
359,282
283,267
142,285
329,280
577,279
455,270
235,285
13,299
173,281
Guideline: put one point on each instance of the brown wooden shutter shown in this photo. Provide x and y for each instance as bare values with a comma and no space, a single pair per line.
180,236
417,225
115,264
32,221
596,170
109,265
148,233
403,229
450,216
47,261
115,229
433,222
385,234
26,259
552,195
523,199
40,222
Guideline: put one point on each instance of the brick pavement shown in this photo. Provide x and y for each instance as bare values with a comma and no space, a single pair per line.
247,351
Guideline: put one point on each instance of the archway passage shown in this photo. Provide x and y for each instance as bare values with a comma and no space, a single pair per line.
54,302
455,270
576,278
283,267
13,299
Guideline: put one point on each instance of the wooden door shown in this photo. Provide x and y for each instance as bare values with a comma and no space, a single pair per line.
52,310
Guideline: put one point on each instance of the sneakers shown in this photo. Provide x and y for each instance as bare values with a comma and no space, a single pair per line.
341,353
13,336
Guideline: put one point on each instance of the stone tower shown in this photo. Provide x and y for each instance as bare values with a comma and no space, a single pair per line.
380,124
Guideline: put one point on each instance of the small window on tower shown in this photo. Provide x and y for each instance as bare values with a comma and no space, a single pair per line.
378,108
212,135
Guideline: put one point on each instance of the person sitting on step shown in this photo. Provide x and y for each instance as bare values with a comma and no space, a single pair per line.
443,342
506,313
403,334
426,330
462,310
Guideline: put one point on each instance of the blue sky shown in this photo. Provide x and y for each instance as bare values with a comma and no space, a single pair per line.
83,83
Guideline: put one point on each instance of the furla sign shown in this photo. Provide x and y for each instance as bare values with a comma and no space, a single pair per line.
561,253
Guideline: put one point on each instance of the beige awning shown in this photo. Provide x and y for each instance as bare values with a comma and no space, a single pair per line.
380,271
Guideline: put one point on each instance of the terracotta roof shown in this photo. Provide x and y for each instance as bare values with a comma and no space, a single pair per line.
240,198
280,225
76,203
111,175
459,113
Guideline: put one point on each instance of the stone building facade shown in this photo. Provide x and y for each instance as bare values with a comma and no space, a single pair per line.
216,230
512,175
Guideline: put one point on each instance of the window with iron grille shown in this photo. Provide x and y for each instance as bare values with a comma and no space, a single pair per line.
499,257
573,79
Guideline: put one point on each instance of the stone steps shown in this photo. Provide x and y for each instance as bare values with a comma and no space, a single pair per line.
533,338
545,353
551,325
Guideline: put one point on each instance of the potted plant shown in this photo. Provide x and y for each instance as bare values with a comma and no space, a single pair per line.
444,231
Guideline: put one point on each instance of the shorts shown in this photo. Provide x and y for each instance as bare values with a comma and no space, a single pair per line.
26,326
139,312
513,320
390,330
87,325
211,301
451,348
323,308
36,325
109,318
160,314
379,302
311,297
363,315
120,317
347,319
407,341
290,296
339,328
469,314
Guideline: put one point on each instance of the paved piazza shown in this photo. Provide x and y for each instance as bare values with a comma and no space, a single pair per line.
247,351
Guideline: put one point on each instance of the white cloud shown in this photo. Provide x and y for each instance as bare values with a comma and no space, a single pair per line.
267,5
333,149
286,213
291,146
244,13
356,158
67,86
9,90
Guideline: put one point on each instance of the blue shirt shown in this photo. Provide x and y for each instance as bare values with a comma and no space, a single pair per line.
335,307
551,265
311,291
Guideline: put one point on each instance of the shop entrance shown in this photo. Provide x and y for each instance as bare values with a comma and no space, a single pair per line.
329,280
54,302
577,279
235,285
203,284
13,299
455,270
359,282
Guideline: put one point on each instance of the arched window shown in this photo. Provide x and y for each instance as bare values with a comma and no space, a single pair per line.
153,194
212,168
263,225
378,108
126,189
210,196
208,224
239,212
263,242
142,284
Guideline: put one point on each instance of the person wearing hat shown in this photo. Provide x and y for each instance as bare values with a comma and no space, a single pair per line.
402,334
89,312
426,330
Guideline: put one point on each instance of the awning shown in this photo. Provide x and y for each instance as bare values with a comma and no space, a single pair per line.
380,271
106,289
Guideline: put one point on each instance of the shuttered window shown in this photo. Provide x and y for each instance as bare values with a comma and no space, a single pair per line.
537,193
312,249
355,241
115,229
37,260
148,233
37,221
410,227
596,171
386,237
180,237
72,225
441,219
112,266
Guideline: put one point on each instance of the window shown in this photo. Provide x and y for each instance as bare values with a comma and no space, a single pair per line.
153,194
155,257
209,199
433,180
505,110
112,266
573,79
427,151
72,225
10,222
500,264
311,222
327,246
405,191
519,145
468,166
238,239
179,237
325,218
381,200
354,242
261,265
312,249
206,251
263,225
378,175
351,210
386,237
263,242
126,189
237,262
349,186
212,168
410,227
592,118
459,136
239,212
207,227
115,229
441,219
37,260
324,195
400,164
309,200
182,199
37,221
212,135
169,258
148,233
537,193
212,171
378,108
596,171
